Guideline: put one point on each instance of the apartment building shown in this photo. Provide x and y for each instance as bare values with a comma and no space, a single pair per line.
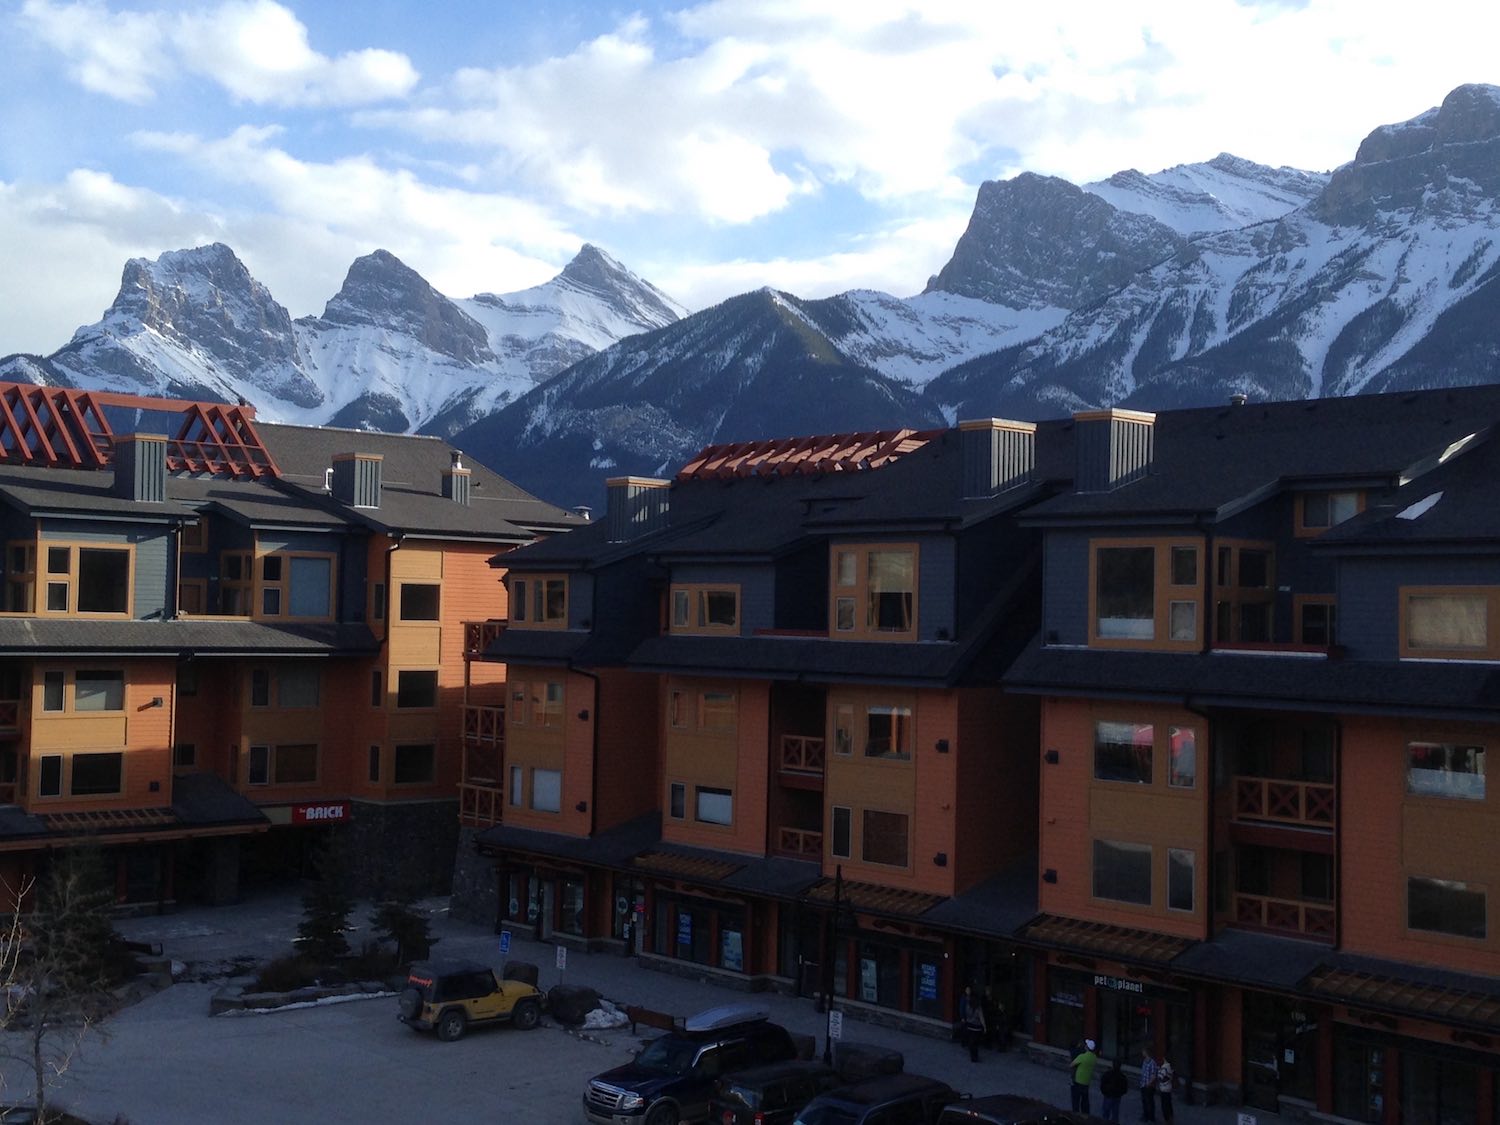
215,646
1168,728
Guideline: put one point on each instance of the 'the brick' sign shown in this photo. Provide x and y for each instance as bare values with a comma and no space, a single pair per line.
321,812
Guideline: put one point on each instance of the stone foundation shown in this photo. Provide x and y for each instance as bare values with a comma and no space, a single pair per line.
475,889
414,841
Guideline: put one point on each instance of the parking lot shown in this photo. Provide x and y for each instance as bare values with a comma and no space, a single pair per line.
165,1061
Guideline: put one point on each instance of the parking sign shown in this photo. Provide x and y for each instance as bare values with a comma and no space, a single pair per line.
562,957
504,943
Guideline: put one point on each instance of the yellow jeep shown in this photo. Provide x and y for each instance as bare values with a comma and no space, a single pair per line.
450,995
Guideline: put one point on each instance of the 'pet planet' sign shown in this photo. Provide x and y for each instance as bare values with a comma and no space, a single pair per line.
322,812
1119,984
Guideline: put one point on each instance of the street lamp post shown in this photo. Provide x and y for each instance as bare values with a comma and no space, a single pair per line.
833,944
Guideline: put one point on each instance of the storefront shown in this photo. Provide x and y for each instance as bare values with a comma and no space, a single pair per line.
1386,1078
1282,1041
548,900
700,930
1124,1014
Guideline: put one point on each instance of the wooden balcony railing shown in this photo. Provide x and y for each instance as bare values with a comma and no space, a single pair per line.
479,805
484,725
10,714
479,634
1285,915
1309,803
800,842
802,753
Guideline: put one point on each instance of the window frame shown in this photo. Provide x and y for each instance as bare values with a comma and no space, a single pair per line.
848,831
68,581
1133,847
1462,887
1232,598
1303,528
864,837
1301,603
548,774
117,757
405,749
856,596
436,594
1174,604
530,599
1489,650
1192,881
399,694
688,608
717,792
1448,792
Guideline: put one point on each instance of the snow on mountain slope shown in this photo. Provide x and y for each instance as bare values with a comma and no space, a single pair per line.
1224,193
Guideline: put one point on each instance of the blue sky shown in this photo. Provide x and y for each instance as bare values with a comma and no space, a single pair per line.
715,147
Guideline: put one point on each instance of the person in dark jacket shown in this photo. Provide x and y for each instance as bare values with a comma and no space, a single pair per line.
1112,1087
971,1022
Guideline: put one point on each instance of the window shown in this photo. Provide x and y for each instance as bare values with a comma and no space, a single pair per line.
184,756
843,729
1182,757
53,684
415,764
546,790
1242,594
705,609
840,832
1184,566
713,806
716,710
547,708
1319,511
517,784
88,579
419,601
99,691
1125,592
192,596
260,765
96,775
270,578
1315,622
1454,621
1443,906
1182,621
195,536
235,583
1180,879
374,765
377,602
297,687
677,800
260,687
875,592
884,838
540,601
677,709
889,733
1122,752
49,783
1122,872
296,764
20,578
377,688
1444,769
416,689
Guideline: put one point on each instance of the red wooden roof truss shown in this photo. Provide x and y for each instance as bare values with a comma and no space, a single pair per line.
61,428
825,453
55,427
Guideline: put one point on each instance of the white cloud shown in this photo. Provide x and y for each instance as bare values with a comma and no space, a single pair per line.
256,49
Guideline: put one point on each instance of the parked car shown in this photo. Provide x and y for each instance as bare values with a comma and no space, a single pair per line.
892,1099
1008,1109
448,996
769,1095
673,1077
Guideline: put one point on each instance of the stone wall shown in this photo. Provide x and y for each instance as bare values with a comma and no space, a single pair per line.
414,841
476,889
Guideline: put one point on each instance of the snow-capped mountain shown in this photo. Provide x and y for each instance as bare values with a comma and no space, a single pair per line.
1386,279
389,351
1224,193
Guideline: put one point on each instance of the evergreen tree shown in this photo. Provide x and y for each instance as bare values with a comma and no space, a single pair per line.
327,904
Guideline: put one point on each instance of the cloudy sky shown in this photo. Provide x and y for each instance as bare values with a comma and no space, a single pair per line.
812,145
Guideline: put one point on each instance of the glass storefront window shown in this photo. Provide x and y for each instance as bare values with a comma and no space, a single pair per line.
879,975
572,907
927,985
1065,993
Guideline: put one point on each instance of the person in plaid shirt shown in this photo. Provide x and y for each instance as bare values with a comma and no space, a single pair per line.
1148,1085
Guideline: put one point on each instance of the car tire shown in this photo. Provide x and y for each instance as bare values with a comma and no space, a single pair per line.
451,1025
526,1014
663,1113
410,1003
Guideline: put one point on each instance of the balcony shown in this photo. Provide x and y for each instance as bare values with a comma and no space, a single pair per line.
1305,804
799,842
1285,916
484,726
479,634
479,803
10,714
802,753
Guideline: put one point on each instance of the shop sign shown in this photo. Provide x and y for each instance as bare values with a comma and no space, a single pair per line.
869,989
732,956
684,928
927,983
1119,984
321,812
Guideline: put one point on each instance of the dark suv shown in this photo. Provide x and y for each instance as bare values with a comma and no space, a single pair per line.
771,1094
892,1099
673,1077
1008,1109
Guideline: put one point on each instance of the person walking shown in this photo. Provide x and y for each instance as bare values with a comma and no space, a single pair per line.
971,1018
1083,1076
1148,1085
1112,1088
1165,1080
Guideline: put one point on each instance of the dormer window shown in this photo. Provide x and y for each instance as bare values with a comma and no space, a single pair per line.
874,593
539,601
1318,511
1145,593
705,609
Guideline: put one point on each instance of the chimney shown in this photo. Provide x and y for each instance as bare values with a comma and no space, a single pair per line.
456,480
356,479
583,512
1239,398
141,467
636,506
1114,447
997,454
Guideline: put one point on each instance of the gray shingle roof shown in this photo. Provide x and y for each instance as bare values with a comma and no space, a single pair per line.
41,635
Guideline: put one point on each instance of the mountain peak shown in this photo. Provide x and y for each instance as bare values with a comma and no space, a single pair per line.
381,291
594,272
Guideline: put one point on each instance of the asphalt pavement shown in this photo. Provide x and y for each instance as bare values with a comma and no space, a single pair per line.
166,1061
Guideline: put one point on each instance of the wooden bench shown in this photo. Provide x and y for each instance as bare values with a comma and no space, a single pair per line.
651,1018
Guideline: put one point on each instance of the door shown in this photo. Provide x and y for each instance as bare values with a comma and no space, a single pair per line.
1262,1070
